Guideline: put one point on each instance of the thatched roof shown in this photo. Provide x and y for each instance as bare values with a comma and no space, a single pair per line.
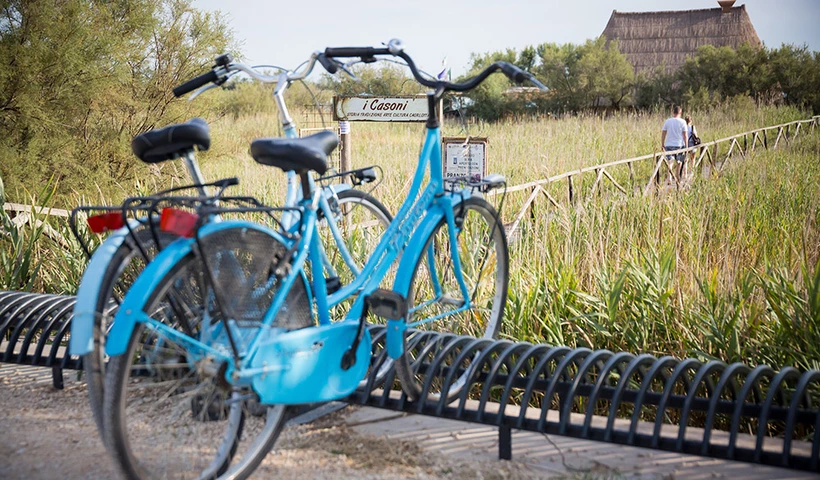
650,39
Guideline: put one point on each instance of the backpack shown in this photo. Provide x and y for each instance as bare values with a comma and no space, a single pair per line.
694,139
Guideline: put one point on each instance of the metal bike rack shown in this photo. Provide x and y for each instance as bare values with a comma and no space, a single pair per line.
636,400
756,415
34,331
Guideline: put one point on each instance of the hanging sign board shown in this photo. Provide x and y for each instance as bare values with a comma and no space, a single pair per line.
380,109
463,158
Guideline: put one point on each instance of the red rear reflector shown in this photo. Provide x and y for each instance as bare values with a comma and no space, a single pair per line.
105,221
178,222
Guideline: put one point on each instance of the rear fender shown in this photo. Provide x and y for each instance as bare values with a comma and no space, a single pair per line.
81,341
132,311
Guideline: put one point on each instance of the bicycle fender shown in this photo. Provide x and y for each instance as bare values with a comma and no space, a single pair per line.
415,249
132,305
336,188
132,309
411,255
82,322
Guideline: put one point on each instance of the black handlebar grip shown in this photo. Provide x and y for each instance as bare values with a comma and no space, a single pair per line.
514,73
329,64
355,52
195,83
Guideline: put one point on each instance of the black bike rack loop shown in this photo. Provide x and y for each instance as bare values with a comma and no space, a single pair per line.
34,330
598,395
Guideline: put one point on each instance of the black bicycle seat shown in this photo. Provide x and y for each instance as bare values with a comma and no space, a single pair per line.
297,154
172,141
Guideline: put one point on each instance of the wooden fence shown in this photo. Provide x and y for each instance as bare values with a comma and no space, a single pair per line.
741,144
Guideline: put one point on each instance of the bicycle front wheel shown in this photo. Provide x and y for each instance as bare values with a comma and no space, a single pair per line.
438,303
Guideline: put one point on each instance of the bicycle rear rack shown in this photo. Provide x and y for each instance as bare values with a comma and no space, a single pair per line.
711,409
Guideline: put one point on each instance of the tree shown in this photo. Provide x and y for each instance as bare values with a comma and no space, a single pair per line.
82,77
382,79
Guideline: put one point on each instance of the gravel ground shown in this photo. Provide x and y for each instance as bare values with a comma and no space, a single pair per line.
48,433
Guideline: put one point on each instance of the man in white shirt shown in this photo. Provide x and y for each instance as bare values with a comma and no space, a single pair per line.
673,137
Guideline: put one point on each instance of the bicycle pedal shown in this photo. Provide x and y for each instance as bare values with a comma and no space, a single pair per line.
333,284
387,304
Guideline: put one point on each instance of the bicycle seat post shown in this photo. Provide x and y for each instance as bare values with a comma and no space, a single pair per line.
193,170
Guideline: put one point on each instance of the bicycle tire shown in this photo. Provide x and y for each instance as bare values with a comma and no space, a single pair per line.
234,408
126,262
407,366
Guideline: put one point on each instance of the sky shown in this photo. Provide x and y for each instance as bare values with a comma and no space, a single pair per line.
285,33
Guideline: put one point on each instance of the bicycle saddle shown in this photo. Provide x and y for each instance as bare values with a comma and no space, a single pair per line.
170,142
298,154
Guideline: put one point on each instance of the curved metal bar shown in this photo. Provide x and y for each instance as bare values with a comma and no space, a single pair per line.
801,389
663,363
623,384
566,408
532,352
774,388
560,370
727,378
701,377
23,322
679,372
552,354
476,345
751,381
603,375
437,363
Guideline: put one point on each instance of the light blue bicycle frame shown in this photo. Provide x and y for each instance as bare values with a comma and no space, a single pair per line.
406,239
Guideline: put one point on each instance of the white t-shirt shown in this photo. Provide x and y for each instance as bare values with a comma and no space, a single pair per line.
675,129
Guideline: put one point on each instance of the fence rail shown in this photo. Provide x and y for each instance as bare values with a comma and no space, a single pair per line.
742,144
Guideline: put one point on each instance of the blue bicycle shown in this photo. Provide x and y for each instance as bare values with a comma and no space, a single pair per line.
249,329
131,244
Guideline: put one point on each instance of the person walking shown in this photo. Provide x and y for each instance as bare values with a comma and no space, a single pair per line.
692,138
673,137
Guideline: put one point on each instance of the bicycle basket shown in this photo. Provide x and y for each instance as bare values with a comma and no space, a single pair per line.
244,268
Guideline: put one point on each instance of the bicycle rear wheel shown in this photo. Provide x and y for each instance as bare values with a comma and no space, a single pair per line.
435,292
169,412
362,220
122,270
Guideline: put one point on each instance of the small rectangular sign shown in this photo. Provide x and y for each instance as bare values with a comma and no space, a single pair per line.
463,158
380,109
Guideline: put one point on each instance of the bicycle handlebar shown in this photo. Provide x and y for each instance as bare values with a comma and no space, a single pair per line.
224,67
395,48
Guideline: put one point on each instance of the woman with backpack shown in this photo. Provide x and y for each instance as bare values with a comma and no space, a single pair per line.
692,141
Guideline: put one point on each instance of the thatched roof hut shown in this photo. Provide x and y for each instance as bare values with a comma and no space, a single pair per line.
650,39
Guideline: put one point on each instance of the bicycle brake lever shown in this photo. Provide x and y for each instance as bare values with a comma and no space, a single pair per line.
199,91
349,73
538,84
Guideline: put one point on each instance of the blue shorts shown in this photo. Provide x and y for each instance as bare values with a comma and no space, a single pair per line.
678,157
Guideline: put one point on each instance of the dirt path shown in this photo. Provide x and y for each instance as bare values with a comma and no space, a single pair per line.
49,434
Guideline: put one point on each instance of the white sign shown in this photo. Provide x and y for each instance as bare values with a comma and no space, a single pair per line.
465,159
381,109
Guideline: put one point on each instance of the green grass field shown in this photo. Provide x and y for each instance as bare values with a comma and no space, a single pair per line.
727,268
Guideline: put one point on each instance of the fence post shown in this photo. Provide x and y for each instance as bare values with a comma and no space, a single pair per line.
765,140
344,137
571,192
